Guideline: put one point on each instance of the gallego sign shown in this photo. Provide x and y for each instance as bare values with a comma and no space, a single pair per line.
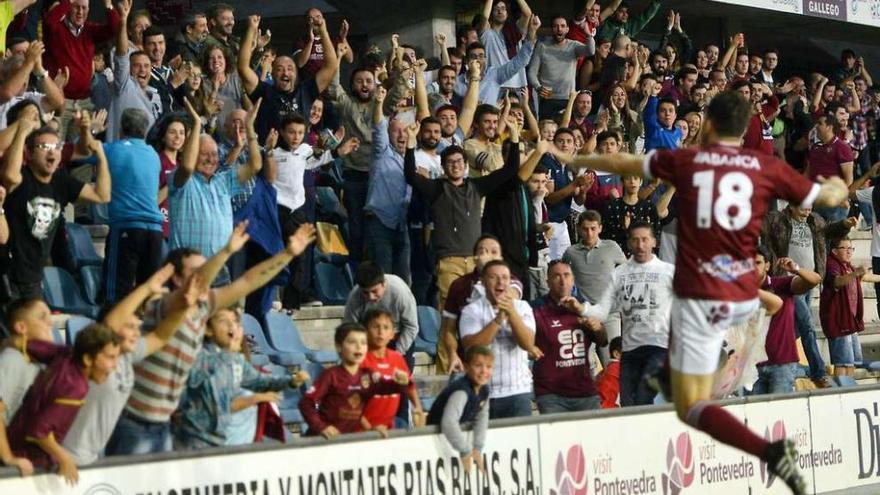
865,12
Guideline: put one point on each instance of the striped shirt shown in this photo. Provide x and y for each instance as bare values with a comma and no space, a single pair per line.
160,378
200,211
511,375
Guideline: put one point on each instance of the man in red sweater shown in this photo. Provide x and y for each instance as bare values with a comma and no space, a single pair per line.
70,42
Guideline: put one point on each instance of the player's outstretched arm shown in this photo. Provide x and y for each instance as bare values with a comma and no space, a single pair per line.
832,193
617,163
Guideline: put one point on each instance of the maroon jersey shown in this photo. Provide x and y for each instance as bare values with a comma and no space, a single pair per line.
564,370
722,195
338,397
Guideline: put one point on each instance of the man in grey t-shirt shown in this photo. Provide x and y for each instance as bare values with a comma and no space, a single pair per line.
553,69
592,261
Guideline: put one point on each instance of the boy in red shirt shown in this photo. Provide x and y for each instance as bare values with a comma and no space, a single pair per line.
381,409
334,404
608,382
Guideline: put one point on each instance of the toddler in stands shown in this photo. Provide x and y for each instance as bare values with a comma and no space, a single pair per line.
608,381
335,403
465,400
381,409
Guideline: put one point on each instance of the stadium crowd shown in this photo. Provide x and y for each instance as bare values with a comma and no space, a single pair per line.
459,181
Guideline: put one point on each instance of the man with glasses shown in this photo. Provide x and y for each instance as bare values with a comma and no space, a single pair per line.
37,196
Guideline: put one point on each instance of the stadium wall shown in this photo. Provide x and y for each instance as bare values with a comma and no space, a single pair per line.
634,451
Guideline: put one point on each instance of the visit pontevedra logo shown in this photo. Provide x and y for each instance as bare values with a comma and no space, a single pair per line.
680,471
772,434
571,472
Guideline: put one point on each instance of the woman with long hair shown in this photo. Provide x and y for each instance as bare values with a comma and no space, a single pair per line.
588,77
167,137
695,129
623,119
221,81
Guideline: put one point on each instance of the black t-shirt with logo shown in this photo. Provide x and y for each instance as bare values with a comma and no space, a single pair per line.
33,211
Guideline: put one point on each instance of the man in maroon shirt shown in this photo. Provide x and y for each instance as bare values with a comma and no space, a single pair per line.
70,43
776,374
308,54
562,378
830,157
50,406
723,192
759,134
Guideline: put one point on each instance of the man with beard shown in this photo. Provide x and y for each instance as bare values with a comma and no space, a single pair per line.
131,81
445,95
483,150
454,126
553,69
309,51
660,66
189,42
38,195
221,21
495,77
502,38
287,93
355,113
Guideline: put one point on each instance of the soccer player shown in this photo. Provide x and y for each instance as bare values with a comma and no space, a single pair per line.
723,192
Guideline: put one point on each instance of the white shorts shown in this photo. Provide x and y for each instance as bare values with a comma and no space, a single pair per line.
698,330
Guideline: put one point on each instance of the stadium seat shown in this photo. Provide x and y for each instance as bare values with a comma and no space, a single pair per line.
284,335
329,207
91,278
74,325
100,214
332,282
57,337
259,345
62,294
429,324
82,250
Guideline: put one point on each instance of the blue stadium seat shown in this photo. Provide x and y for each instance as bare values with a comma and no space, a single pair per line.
91,278
76,324
259,345
57,337
100,214
62,294
332,282
82,250
429,323
284,335
329,206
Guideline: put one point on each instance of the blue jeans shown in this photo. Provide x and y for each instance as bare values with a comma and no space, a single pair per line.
388,248
775,379
803,323
514,406
831,215
354,197
635,365
846,350
552,403
132,436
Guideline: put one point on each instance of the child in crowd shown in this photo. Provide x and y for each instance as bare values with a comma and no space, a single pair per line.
380,409
548,129
50,406
464,400
214,388
334,404
608,381
841,306
27,320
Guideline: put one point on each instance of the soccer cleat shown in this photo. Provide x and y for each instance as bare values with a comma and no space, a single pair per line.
781,459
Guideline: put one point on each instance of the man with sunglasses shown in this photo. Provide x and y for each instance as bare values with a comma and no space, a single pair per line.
38,194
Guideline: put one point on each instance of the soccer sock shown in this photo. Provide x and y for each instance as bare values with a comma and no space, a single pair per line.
725,427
